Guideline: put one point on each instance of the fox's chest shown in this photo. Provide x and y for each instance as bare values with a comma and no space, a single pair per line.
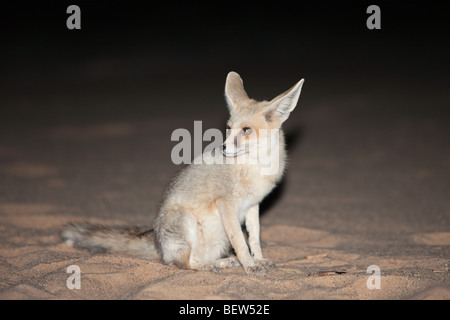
254,181
254,189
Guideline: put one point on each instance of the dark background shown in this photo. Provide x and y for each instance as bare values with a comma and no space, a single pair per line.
368,142
125,47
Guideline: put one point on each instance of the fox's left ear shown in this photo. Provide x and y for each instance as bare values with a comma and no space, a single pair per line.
234,90
281,106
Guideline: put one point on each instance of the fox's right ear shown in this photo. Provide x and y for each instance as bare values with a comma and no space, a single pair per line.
234,90
281,106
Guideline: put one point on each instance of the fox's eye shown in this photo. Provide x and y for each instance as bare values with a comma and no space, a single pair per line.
228,128
246,131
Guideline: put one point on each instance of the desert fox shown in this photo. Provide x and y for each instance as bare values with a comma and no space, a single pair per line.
203,210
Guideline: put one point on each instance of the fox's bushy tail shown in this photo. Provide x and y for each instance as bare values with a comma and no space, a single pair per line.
134,241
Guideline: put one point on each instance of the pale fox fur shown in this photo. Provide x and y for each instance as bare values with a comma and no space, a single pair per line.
203,210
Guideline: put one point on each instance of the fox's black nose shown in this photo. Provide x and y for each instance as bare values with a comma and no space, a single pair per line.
224,147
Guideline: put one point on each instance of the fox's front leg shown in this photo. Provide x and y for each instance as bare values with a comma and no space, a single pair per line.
252,225
229,215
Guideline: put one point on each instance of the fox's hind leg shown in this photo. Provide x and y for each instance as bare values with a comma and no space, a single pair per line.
181,241
176,235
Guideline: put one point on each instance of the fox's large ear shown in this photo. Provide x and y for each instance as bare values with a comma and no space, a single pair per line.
281,106
234,90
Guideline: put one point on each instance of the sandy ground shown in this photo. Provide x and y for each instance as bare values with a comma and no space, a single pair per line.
323,227
86,119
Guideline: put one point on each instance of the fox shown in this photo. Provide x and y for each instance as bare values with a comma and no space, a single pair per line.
201,217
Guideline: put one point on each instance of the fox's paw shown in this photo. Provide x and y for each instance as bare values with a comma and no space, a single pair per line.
208,267
266,263
229,262
257,270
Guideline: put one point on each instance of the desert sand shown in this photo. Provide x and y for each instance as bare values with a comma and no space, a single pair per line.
85,135
322,228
